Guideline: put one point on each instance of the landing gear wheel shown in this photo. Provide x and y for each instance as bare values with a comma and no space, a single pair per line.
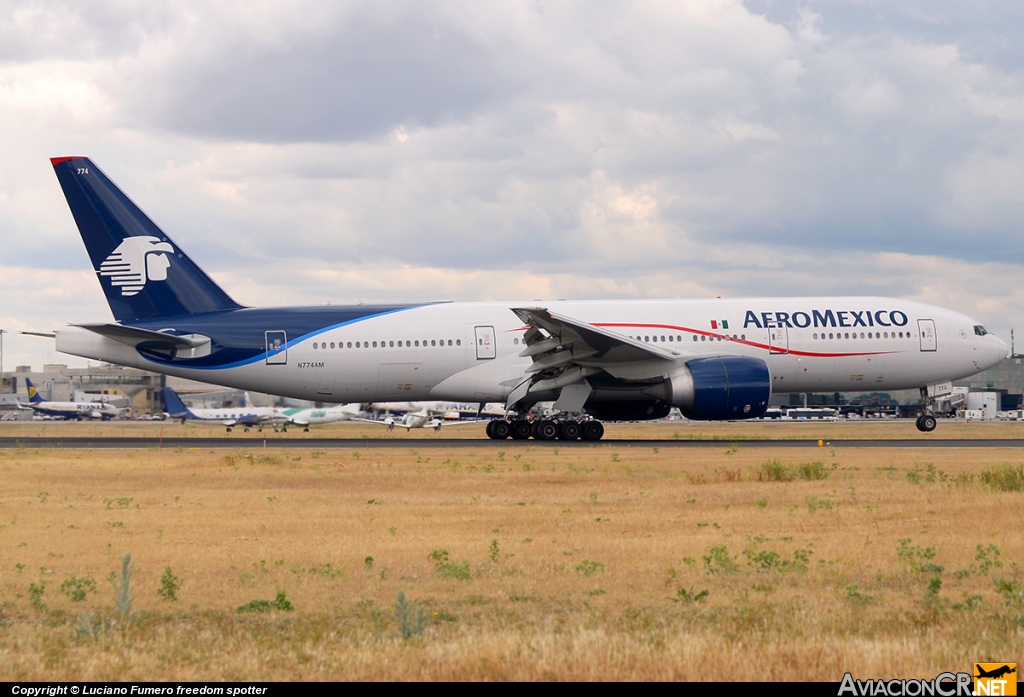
546,430
306,429
592,430
499,429
926,423
569,430
521,430
229,429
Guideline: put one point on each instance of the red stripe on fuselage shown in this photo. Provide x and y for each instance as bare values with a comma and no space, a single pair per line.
726,337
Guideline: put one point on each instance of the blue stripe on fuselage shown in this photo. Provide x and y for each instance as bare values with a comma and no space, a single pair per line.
239,336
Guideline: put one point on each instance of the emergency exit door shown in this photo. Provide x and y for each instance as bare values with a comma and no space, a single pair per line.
277,347
485,347
926,327
778,339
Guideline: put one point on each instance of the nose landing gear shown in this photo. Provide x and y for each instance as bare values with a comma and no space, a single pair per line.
926,422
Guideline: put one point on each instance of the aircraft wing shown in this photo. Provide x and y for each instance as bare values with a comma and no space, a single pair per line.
590,345
566,351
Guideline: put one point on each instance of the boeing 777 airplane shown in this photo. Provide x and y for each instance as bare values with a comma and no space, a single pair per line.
596,360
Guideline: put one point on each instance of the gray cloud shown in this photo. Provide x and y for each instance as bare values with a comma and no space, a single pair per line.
686,148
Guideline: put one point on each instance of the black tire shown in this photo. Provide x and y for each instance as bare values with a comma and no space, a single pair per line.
501,429
592,430
489,430
569,430
546,430
926,423
521,430
229,429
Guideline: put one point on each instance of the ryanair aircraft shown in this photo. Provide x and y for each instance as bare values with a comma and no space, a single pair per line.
596,360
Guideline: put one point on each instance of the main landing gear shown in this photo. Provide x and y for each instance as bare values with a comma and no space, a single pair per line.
545,429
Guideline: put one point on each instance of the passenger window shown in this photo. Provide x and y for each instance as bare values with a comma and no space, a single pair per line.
663,338
433,343
458,342
449,342
703,338
694,337
815,336
391,344
647,339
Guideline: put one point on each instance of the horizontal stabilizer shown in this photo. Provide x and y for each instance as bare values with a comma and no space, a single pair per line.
133,336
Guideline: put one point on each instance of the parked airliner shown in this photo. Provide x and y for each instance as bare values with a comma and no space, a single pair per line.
597,360
228,416
68,410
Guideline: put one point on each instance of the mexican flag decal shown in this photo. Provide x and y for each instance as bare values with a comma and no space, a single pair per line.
719,324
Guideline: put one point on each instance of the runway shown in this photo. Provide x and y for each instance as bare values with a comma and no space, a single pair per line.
129,443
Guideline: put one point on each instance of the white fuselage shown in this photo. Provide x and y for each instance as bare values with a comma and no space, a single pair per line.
469,352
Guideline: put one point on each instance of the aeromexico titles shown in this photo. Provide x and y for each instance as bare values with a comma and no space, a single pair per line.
597,360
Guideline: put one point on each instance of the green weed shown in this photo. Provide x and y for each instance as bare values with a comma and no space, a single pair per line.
278,603
76,589
774,471
815,471
687,596
123,597
718,561
411,618
926,474
589,568
1004,477
35,595
917,559
169,585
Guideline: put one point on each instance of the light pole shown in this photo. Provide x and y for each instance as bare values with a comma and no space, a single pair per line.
2,332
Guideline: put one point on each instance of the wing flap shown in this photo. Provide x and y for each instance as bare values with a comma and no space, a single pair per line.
607,347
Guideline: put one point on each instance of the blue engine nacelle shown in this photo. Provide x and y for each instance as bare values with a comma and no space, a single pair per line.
720,388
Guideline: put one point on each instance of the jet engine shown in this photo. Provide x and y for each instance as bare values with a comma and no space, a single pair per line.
718,388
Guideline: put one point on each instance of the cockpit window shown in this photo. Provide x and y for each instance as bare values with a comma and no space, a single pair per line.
980,330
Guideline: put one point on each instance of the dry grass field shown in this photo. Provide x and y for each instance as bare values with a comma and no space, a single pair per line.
529,563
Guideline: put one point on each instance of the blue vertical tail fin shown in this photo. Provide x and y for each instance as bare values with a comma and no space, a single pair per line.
175,407
33,393
144,274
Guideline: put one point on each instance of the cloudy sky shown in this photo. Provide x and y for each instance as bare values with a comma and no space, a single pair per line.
313,152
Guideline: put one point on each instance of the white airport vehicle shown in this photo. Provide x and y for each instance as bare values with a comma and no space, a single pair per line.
620,360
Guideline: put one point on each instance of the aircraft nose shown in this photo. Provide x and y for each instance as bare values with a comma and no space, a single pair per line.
999,350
